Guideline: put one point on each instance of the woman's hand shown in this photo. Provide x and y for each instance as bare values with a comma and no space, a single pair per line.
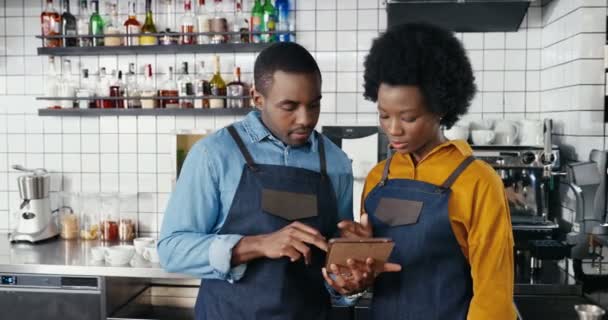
356,276
354,230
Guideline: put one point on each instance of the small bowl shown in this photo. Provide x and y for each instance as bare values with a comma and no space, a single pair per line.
98,253
119,255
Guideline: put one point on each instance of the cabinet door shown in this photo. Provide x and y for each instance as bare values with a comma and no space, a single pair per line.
50,305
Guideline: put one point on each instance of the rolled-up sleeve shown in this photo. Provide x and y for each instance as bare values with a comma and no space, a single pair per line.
189,242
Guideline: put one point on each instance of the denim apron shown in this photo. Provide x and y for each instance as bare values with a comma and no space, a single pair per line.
435,280
268,198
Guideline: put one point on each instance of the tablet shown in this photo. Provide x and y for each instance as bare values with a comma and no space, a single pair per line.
342,249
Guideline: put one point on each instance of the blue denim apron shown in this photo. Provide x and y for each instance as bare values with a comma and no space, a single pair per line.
435,280
268,198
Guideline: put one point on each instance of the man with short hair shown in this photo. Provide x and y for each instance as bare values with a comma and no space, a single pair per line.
256,202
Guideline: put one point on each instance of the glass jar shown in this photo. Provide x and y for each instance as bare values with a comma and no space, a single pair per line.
89,217
110,204
127,227
68,216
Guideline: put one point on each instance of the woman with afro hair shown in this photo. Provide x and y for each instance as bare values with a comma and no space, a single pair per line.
446,211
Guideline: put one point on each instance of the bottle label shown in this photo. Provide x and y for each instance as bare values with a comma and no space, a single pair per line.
187,39
256,26
269,26
147,40
132,41
51,27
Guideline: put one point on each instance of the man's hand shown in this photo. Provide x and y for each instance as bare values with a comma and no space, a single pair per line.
356,276
292,241
352,229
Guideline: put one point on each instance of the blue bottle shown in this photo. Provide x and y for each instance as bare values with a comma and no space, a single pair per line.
282,9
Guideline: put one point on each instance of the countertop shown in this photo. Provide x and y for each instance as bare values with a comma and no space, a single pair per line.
72,257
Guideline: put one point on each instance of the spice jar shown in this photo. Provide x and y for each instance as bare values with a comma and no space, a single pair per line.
69,227
89,217
127,228
109,217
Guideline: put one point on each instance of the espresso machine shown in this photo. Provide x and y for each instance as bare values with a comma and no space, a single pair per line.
531,176
35,219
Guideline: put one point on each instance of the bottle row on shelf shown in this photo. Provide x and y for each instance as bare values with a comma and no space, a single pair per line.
267,23
123,90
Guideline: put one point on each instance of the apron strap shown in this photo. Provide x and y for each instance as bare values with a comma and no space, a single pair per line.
322,162
239,142
463,165
387,165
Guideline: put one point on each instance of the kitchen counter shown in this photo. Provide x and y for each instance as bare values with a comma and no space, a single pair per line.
72,257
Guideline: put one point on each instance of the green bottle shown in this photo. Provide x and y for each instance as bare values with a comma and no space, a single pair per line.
270,22
148,27
257,21
96,25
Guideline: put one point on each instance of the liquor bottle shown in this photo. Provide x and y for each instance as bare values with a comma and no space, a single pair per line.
102,89
113,27
50,22
132,89
219,23
117,90
269,25
187,24
202,88
236,91
83,25
283,24
218,87
240,25
67,86
202,19
186,88
84,92
170,89
167,19
148,27
132,26
51,83
96,25
68,25
148,91
257,21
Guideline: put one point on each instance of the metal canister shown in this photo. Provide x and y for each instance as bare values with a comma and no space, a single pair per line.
34,186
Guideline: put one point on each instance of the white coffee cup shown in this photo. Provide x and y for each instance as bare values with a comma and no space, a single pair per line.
483,137
142,242
532,133
151,254
119,255
457,132
507,132
98,253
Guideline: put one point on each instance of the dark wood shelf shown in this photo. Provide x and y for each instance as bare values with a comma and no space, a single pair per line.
157,49
141,112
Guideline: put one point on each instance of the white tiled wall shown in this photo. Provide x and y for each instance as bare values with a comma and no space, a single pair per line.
572,74
551,67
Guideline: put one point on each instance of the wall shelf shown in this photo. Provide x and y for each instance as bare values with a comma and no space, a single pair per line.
157,49
141,112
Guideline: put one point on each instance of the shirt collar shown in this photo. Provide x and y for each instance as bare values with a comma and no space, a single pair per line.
460,145
257,131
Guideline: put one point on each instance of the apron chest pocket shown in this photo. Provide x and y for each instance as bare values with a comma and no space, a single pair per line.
289,205
398,212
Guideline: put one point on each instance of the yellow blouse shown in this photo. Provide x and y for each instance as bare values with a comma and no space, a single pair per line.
480,219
